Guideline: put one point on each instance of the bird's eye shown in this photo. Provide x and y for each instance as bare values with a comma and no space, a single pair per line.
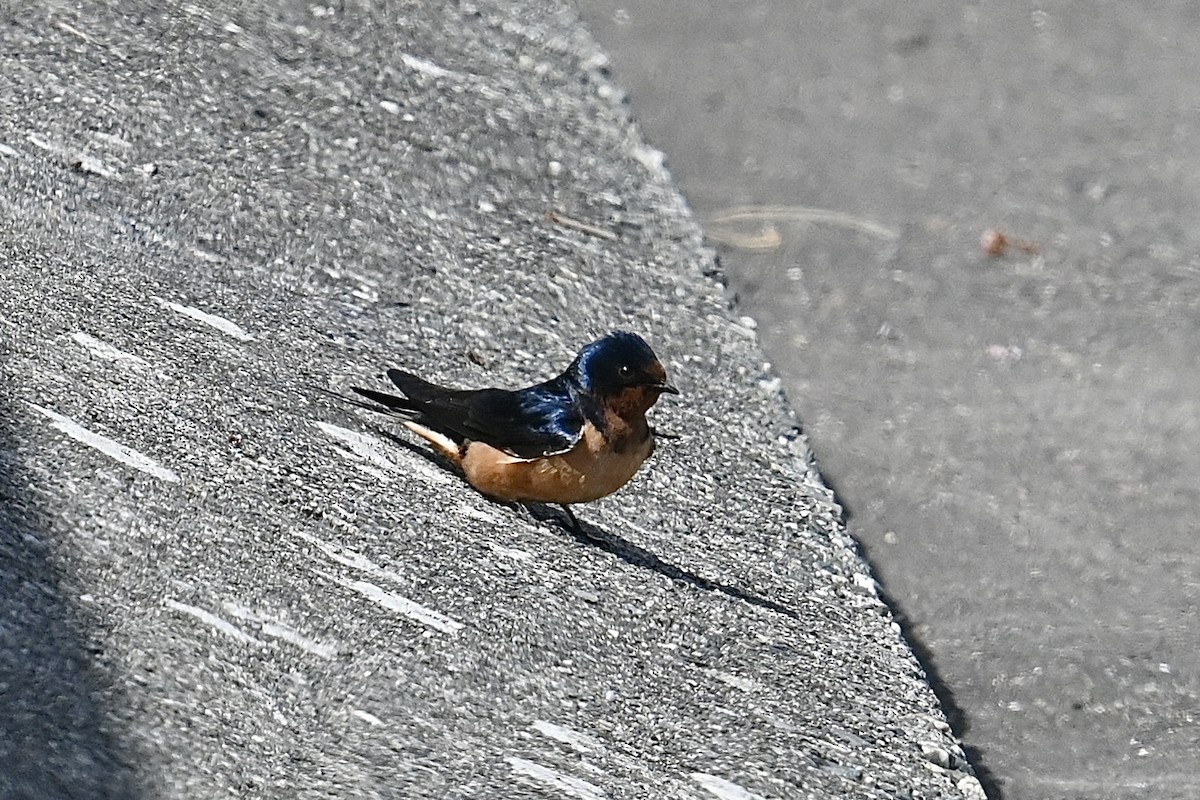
624,370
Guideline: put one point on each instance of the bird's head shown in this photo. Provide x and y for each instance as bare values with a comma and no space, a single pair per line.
621,368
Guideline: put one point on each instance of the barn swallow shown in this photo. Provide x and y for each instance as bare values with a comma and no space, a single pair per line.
572,439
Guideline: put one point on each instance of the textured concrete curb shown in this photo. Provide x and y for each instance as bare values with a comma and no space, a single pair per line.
216,582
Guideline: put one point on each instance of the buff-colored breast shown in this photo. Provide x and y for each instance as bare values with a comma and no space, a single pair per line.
595,467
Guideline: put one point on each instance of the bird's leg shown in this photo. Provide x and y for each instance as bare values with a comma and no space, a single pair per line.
571,516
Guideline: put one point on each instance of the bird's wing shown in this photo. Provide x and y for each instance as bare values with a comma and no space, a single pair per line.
542,420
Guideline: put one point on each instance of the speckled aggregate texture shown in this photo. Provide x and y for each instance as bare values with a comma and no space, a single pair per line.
216,582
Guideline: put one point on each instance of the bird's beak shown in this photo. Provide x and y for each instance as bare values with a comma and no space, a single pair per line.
664,387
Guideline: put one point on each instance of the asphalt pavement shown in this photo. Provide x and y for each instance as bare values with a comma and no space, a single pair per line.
215,581
1016,436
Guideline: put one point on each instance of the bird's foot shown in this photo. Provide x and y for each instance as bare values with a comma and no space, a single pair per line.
575,527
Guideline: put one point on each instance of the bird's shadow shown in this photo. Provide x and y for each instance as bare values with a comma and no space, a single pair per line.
637,556
612,543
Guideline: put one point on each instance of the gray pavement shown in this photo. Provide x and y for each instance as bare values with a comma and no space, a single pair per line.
216,582
1016,439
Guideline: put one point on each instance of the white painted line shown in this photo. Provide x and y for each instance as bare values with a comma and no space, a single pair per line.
511,552
102,349
290,635
112,139
365,447
277,630
367,717
560,781
477,513
209,256
372,450
43,144
426,67
402,605
580,741
212,320
736,681
349,558
91,164
214,621
389,600
723,789
110,448
361,466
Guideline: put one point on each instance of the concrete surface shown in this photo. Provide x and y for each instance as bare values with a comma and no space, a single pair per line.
215,582
1017,439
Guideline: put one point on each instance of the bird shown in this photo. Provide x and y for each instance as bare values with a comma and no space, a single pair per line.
571,439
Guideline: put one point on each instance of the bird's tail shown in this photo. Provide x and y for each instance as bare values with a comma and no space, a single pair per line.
384,403
406,410
387,403
417,391
410,410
